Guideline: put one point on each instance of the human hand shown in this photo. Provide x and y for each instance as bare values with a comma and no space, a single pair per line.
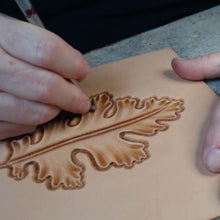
205,67
33,66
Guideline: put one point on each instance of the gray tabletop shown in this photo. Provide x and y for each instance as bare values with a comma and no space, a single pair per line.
190,37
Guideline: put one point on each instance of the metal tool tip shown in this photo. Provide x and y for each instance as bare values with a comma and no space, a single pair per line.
93,107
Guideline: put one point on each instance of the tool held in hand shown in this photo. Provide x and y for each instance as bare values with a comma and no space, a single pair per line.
29,12
33,18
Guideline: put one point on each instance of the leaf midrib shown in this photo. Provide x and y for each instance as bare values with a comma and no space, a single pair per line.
81,137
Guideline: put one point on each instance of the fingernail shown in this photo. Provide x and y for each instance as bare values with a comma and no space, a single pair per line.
178,59
213,160
85,106
175,61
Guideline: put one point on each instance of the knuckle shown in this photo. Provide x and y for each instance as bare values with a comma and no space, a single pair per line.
46,86
46,49
45,90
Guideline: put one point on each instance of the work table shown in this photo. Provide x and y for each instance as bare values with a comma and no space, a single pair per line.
189,37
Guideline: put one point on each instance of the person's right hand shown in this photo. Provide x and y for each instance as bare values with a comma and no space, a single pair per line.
205,67
34,66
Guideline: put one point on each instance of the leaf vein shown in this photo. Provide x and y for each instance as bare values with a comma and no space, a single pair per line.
81,137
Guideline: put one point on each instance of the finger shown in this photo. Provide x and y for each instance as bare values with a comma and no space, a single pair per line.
42,48
200,68
24,112
211,153
8,130
30,82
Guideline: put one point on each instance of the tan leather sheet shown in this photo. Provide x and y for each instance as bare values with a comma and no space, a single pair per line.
170,184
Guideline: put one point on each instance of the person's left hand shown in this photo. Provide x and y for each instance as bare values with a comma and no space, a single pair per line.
205,67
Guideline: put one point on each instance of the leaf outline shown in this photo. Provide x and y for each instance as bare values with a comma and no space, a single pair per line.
110,108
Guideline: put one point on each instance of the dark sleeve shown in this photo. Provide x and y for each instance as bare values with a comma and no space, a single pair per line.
10,8
91,24
97,23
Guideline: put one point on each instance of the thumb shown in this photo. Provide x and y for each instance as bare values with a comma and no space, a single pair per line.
204,67
211,152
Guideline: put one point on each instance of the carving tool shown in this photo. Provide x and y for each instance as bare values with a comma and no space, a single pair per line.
29,12
33,18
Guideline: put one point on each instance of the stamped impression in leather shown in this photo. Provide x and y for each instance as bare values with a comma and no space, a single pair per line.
114,135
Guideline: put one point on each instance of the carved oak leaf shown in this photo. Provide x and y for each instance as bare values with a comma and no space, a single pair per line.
115,134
